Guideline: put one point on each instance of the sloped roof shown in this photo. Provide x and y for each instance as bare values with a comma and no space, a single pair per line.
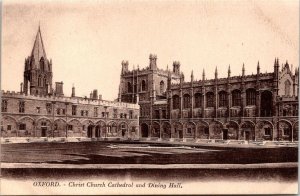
38,50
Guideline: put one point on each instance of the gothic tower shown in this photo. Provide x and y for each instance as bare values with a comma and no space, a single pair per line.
38,70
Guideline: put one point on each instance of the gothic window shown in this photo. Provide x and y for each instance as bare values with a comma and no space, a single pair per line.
164,114
42,64
223,99
266,103
95,111
176,102
21,106
70,127
287,88
129,87
198,100
74,110
143,85
49,108
45,82
157,114
130,114
251,96
186,101
236,98
58,111
115,113
210,99
4,106
206,130
162,87
38,109
39,81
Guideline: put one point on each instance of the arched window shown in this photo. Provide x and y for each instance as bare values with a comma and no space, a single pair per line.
266,104
162,86
198,100
287,88
222,99
129,87
186,101
176,102
42,64
143,85
45,82
251,96
210,99
39,81
236,98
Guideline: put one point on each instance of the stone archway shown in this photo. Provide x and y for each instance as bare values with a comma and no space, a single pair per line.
247,131
203,130
190,130
166,130
216,128
285,130
233,130
178,130
295,131
264,130
155,129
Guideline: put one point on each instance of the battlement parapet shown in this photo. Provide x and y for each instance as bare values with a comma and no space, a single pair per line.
72,100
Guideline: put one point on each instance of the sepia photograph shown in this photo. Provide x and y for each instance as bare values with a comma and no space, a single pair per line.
149,97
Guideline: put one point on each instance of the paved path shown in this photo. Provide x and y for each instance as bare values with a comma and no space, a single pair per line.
148,166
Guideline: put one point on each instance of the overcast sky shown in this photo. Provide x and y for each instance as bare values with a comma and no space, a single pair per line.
88,40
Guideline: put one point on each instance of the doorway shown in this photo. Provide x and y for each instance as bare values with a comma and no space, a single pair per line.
225,134
44,130
247,135
90,132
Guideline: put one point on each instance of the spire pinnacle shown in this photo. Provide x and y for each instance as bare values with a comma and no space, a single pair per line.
243,69
216,72
192,76
38,50
229,71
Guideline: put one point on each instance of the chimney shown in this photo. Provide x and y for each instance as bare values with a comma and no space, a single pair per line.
59,89
95,94
73,92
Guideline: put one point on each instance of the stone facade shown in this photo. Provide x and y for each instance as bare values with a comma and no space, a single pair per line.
38,110
261,106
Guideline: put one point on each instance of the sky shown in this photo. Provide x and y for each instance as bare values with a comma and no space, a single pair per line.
87,40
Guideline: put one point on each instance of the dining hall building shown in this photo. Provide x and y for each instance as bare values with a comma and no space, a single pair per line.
256,107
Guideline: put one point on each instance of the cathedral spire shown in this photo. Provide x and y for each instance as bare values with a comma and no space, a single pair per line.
243,70
38,50
229,71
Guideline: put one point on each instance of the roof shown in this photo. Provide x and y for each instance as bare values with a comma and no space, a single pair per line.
38,50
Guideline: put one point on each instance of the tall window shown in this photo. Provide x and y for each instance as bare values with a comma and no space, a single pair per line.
143,85
115,113
157,116
42,64
21,106
223,99
210,99
4,106
129,87
251,96
198,100
74,110
176,102
266,103
130,114
287,88
186,101
236,98
39,81
162,87
49,108
45,82
95,111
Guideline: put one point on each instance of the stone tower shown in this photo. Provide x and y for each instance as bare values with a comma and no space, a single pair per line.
38,70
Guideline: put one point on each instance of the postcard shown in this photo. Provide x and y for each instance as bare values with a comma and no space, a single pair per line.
149,97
